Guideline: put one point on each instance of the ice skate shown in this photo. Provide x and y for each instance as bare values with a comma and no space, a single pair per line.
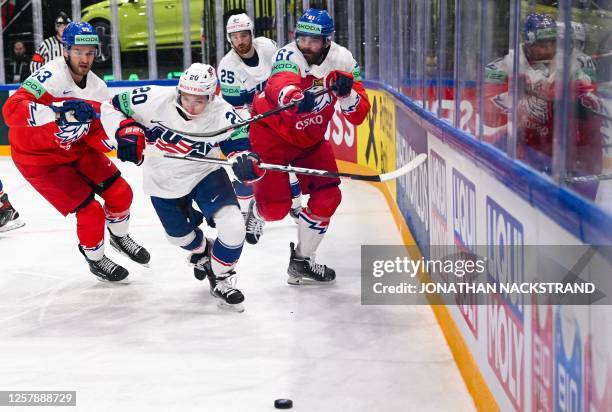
201,262
304,271
127,247
106,270
254,225
9,217
223,288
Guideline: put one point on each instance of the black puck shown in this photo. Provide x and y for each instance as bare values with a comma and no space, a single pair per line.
283,404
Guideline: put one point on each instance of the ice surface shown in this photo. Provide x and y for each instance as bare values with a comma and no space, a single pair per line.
161,344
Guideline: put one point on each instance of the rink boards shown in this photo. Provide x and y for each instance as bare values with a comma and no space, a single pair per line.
519,356
528,357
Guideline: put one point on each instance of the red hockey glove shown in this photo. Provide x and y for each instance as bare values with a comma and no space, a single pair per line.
306,99
130,138
341,82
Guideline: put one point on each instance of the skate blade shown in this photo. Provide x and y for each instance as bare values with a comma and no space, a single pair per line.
125,281
12,225
298,281
222,304
238,307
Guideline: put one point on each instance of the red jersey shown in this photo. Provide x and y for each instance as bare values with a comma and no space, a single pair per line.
291,70
34,136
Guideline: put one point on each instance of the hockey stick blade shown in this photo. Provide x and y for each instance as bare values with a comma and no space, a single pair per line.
408,167
240,124
588,178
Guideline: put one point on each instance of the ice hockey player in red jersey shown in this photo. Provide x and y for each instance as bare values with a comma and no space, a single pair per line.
296,137
57,143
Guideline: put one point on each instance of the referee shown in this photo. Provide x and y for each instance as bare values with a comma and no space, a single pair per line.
51,47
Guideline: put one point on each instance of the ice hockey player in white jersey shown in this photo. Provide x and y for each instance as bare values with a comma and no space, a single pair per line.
173,185
578,34
244,70
243,73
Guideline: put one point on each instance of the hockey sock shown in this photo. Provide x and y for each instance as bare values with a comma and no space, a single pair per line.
117,201
311,229
90,229
228,246
193,241
296,191
244,193
118,223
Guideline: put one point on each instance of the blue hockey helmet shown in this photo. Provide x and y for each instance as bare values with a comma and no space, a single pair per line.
80,33
315,22
538,27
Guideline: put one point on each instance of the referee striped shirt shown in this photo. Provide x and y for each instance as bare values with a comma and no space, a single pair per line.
48,50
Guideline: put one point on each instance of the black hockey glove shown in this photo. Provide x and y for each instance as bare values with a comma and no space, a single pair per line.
73,112
130,138
245,166
307,103
343,83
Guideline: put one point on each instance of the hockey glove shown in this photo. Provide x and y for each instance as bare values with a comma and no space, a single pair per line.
73,112
341,82
591,102
306,99
130,138
245,166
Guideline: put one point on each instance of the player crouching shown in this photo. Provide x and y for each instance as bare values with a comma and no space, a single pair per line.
147,113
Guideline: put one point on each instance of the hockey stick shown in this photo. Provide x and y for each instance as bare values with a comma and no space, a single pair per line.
408,167
244,123
588,178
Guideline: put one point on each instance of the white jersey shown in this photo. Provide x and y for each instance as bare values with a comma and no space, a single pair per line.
239,81
539,76
586,63
55,78
337,58
163,177
53,83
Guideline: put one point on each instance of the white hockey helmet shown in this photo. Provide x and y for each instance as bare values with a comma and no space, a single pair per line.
578,34
199,79
238,22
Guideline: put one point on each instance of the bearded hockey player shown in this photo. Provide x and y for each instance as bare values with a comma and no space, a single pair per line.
296,137
175,184
243,73
538,64
57,143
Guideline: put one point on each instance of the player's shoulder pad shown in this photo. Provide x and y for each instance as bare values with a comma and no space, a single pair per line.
342,59
97,88
496,71
288,59
52,78
220,107
137,100
229,60
266,44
